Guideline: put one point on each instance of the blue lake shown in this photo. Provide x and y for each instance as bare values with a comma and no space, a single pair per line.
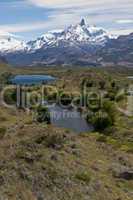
31,79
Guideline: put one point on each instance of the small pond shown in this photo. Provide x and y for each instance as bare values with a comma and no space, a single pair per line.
31,79
69,119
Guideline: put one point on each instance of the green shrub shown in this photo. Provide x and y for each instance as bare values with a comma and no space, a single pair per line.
10,96
2,132
102,138
51,140
111,94
43,114
93,102
54,141
128,147
101,120
52,97
121,96
89,83
113,84
113,142
50,93
65,99
90,116
2,118
102,117
5,77
86,83
77,101
102,84
34,98
109,108
83,176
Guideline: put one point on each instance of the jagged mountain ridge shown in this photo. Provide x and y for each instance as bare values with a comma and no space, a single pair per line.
78,44
74,34
78,33
74,45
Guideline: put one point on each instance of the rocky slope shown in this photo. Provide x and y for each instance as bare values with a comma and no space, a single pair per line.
118,50
73,35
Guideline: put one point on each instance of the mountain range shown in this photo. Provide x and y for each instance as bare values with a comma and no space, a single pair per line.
78,44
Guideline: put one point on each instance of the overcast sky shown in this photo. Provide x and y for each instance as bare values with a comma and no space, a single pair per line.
31,18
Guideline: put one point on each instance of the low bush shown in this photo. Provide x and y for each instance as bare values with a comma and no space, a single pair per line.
2,132
101,120
2,118
43,114
109,108
121,96
128,147
86,83
102,138
5,77
65,99
93,102
83,176
54,141
111,95
50,94
102,84
10,96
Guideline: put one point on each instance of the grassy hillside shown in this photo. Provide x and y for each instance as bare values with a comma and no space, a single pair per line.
50,163
43,162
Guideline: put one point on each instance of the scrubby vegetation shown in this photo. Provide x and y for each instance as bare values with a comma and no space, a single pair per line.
42,114
10,97
39,161
5,77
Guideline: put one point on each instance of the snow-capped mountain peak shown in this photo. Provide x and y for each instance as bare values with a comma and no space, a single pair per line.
10,43
74,35
79,33
80,44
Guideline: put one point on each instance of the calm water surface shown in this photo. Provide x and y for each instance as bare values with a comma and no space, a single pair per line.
31,79
69,119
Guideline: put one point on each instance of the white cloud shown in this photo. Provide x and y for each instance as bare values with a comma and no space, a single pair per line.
110,14
53,22
3,33
102,12
60,3
68,3
17,28
121,31
125,21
